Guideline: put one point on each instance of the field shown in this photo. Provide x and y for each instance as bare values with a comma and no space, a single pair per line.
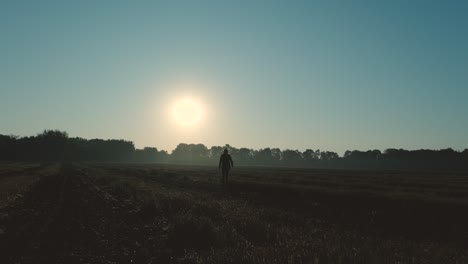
131,213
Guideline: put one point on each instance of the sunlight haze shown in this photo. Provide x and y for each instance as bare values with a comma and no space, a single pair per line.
301,74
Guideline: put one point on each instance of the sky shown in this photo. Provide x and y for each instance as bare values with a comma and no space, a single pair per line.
329,75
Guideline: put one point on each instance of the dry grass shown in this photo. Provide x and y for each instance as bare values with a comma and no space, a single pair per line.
260,219
180,214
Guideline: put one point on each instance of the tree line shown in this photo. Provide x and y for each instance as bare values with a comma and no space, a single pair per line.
55,145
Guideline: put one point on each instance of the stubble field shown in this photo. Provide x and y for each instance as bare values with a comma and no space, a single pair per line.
141,213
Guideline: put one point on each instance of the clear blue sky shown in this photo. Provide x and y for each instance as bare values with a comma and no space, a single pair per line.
289,74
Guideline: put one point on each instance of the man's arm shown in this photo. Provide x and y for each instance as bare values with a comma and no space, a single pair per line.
232,162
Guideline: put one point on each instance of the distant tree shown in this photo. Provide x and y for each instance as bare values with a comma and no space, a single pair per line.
310,156
147,155
291,157
370,155
276,156
52,144
244,156
7,147
328,156
190,154
213,154
465,153
264,157
464,159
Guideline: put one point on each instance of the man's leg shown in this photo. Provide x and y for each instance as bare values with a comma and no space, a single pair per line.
224,176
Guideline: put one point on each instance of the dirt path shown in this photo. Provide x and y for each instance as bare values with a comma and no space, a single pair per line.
48,223
67,218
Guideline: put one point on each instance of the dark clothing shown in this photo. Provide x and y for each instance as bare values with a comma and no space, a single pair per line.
225,163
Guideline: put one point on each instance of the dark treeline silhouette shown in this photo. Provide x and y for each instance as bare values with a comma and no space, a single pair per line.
54,145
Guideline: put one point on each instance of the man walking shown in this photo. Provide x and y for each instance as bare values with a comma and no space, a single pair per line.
225,164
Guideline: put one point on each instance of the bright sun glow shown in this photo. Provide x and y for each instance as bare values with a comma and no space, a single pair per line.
187,112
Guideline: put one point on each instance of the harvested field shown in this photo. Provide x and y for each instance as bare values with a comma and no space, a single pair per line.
132,213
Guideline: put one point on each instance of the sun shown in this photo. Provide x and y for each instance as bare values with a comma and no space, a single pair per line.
187,112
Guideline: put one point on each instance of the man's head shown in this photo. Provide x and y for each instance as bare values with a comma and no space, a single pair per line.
226,151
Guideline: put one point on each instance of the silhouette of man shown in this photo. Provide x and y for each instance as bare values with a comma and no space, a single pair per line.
225,164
